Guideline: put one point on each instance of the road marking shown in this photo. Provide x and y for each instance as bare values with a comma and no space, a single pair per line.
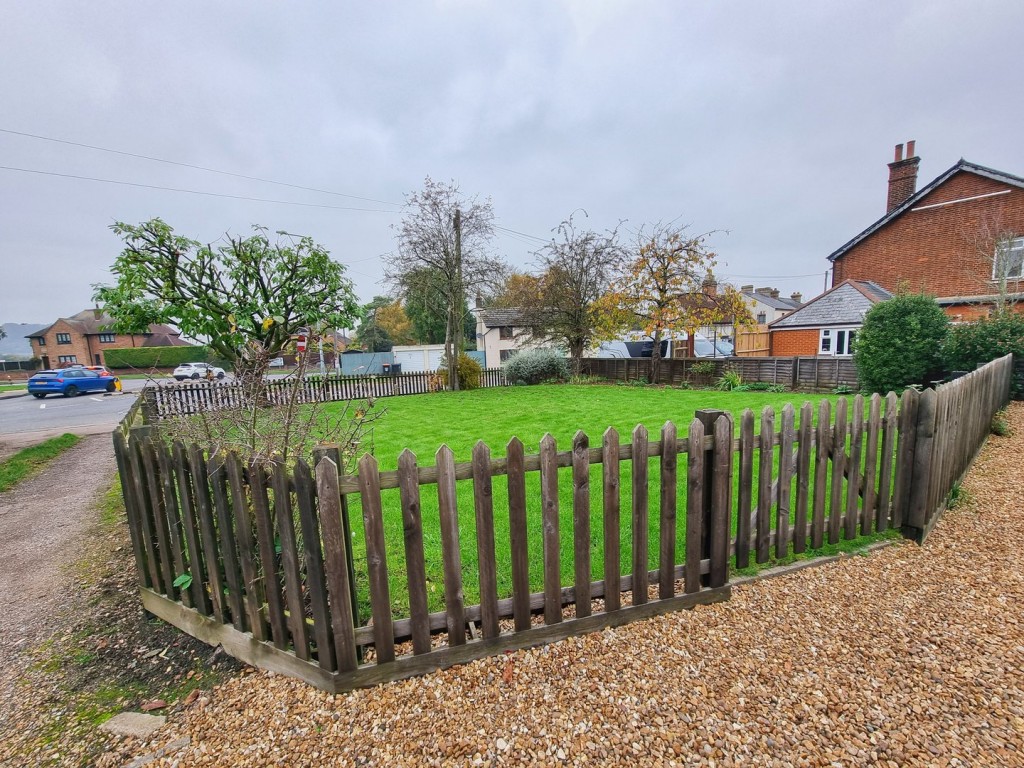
42,405
97,399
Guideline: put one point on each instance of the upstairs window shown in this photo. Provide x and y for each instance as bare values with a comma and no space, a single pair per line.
505,333
107,338
63,338
762,318
67,359
1009,261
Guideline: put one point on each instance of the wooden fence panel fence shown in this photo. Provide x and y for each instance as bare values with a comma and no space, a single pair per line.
191,397
804,373
261,559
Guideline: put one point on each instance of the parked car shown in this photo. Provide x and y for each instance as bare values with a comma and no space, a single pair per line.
196,371
70,382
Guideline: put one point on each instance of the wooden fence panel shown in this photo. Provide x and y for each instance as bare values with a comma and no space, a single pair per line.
745,495
612,512
376,559
822,450
246,555
695,491
581,522
764,485
415,567
227,541
803,472
515,457
290,562
640,515
836,505
667,527
721,490
853,484
787,432
868,512
336,563
207,530
451,556
484,508
258,483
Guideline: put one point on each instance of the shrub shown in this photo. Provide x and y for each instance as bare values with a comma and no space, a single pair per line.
1000,426
973,344
901,343
533,366
703,368
468,371
154,357
729,381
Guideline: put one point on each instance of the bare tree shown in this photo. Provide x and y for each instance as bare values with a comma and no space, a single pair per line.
994,256
562,306
442,253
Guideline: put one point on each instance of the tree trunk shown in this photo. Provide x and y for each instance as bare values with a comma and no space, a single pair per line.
656,357
576,357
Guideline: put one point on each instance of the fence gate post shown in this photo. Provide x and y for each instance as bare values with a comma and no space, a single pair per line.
918,513
708,417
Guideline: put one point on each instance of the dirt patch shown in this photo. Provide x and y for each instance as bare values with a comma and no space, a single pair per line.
75,647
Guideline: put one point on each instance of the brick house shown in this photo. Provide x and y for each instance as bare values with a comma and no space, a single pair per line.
827,324
960,238
83,338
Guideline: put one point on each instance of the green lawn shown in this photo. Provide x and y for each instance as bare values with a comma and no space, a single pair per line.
12,387
28,461
422,423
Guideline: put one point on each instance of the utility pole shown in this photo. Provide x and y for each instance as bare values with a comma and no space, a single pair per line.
455,310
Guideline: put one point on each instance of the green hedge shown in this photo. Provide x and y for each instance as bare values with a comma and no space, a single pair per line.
154,357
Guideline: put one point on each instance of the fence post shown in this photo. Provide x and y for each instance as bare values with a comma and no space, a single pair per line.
918,513
333,452
148,408
707,417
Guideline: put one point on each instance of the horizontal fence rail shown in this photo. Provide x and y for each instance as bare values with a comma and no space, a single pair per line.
191,397
804,373
330,578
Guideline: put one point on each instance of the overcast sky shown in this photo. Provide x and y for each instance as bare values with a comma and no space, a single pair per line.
772,122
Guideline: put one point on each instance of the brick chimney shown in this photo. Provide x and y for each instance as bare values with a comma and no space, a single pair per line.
902,176
746,289
710,285
797,297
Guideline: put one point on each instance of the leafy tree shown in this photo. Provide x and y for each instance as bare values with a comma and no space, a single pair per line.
576,270
372,337
392,318
900,343
245,297
441,254
517,291
665,285
425,309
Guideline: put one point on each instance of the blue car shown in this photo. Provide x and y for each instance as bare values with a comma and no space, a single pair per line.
70,382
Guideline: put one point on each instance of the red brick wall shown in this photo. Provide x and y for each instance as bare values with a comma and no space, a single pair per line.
933,250
802,341
968,313
84,348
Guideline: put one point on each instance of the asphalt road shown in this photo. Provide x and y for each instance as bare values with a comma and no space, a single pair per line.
25,417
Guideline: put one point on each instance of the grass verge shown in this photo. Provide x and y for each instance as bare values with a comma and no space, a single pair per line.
28,461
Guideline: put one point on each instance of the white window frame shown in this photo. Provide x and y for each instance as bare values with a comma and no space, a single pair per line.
840,341
1010,250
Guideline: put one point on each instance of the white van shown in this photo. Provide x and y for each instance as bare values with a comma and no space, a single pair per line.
644,347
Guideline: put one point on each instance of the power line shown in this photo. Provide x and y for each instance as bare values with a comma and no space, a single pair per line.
192,191
522,234
194,167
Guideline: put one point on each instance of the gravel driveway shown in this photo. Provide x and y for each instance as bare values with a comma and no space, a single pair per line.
909,656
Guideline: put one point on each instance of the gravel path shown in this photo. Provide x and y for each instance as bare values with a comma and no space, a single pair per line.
42,521
909,656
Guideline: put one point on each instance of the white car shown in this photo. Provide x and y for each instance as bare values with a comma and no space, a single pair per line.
196,371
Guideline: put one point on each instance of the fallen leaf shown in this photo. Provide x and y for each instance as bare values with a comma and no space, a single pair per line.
149,706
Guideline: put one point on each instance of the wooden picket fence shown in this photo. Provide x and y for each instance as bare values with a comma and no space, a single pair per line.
262,559
191,397
812,374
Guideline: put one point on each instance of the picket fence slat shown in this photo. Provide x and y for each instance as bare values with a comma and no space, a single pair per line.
639,517
257,477
450,554
412,525
290,562
611,504
581,521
